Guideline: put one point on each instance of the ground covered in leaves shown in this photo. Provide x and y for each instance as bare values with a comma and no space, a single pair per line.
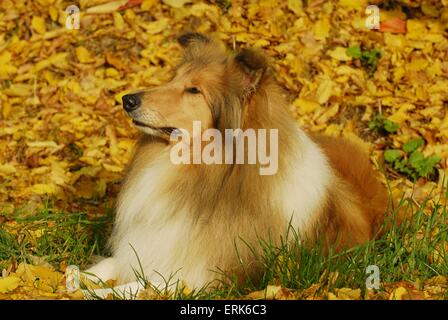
64,140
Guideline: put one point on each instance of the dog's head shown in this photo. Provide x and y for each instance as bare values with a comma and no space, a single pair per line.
210,85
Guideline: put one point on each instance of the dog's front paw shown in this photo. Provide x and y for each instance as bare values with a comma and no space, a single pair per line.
102,271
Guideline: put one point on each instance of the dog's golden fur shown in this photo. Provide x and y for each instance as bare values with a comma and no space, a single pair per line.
190,219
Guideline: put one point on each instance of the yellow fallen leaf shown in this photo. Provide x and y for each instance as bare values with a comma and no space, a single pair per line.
306,106
42,144
398,293
8,284
6,110
19,90
54,13
55,59
112,168
401,115
399,72
439,87
332,296
6,70
268,293
396,41
348,293
271,291
438,280
415,29
435,69
156,26
149,294
83,55
328,114
430,10
324,90
118,20
339,53
148,4
42,188
107,7
7,169
260,43
112,73
353,4
333,129
417,64
38,24
176,3
36,234
41,277
295,6
433,37
45,2
185,289
5,57
322,29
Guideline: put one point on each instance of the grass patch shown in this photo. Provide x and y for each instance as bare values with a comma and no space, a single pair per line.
413,251
56,236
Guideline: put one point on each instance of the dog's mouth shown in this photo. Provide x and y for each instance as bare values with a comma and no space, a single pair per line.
163,130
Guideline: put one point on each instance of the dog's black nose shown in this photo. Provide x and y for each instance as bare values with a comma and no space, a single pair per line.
131,102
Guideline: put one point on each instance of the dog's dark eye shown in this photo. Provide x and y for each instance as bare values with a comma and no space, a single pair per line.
193,90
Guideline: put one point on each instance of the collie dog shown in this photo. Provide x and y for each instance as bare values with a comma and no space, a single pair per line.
189,220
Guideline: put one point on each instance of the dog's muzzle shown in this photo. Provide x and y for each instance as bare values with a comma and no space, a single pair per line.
149,122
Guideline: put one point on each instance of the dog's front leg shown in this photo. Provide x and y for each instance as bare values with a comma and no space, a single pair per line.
106,270
102,271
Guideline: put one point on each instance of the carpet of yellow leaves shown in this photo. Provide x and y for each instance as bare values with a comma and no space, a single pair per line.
64,136
36,282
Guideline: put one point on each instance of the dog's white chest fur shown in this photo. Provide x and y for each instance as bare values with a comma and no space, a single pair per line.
305,189
148,229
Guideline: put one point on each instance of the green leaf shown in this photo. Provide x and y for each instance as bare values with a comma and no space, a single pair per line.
413,145
369,60
416,159
354,52
427,166
433,160
373,125
392,155
372,56
402,167
390,126
382,126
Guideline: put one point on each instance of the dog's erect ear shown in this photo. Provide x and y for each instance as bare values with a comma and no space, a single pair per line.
254,65
190,38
